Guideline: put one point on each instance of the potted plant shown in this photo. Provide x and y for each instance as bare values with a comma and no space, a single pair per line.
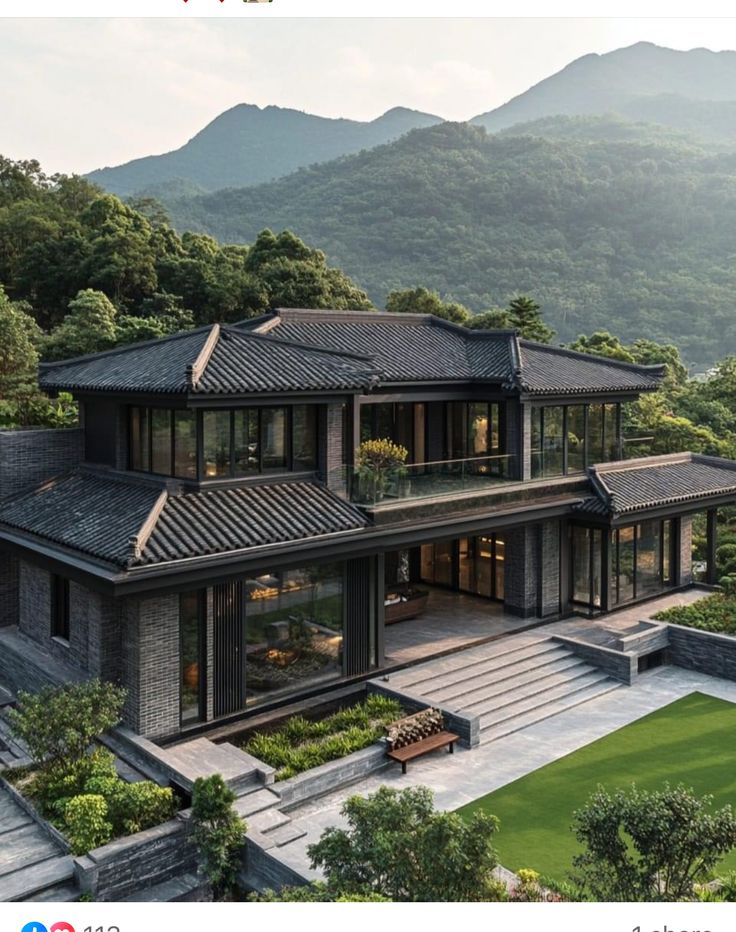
377,462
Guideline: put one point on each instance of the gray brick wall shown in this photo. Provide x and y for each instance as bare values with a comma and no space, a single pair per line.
9,573
526,434
521,570
714,654
686,551
549,568
28,457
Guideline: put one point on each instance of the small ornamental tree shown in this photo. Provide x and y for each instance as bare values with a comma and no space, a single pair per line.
58,724
398,846
649,846
218,832
376,462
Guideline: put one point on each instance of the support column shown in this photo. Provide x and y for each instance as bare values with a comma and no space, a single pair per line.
711,573
521,571
364,618
548,567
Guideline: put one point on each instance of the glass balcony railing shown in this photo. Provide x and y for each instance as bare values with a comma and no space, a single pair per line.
426,480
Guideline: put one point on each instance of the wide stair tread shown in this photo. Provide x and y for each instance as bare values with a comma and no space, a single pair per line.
549,710
24,846
59,893
495,716
25,883
267,821
185,888
251,803
545,685
436,677
286,834
463,691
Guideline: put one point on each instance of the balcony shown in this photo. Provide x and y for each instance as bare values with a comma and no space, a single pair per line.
416,481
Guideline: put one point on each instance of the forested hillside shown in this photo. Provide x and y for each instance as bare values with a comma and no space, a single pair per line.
635,234
248,145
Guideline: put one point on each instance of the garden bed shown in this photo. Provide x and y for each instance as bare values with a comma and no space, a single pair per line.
715,613
299,744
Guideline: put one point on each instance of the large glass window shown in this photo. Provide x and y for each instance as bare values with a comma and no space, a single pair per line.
193,655
641,560
185,444
294,629
273,438
567,439
140,440
247,449
217,453
587,566
161,441
60,608
304,437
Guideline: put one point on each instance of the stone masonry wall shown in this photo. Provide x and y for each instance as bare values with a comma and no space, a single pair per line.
520,571
549,568
28,457
714,654
334,452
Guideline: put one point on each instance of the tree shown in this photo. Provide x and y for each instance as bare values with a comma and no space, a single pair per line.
218,833
89,327
495,319
19,336
602,343
314,893
399,846
525,317
423,301
645,846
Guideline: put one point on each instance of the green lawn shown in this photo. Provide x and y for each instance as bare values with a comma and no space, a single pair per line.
691,741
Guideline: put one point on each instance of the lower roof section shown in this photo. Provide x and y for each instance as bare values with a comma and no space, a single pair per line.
128,524
633,487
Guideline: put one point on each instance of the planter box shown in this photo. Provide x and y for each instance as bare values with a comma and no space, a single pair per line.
332,776
406,609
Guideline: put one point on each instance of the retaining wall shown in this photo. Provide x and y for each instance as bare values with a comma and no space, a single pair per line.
714,654
619,666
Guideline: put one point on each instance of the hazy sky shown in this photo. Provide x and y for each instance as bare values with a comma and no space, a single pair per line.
80,94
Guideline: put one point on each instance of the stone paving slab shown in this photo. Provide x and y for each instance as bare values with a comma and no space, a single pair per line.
469,774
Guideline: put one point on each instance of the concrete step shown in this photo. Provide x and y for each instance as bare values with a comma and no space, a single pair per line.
495,716
496,683
545,686
286,834
477,668
60,893
267,821
188,888
28,882
255,802
23,846
543,712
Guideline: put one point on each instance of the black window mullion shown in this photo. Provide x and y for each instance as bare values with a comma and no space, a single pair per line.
172,441
260,440
232,443
586,445
564,440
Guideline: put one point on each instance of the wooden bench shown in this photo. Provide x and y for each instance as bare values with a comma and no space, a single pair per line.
443,739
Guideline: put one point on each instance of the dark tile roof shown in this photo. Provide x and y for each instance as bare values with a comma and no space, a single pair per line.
101,517
553,370
89,513
627,488
211,360
419,347
248,516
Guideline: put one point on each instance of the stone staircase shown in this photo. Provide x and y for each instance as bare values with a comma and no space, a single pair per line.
509,685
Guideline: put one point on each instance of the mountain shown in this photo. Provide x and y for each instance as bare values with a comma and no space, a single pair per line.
693,91
249,145
633,234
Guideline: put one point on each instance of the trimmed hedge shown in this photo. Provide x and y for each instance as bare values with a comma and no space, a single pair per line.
715,613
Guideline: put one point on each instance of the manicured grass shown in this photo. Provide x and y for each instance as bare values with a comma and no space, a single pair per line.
691,741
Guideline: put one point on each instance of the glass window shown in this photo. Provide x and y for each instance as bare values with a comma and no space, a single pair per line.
161,441
216,433
304,437
581,565
553,441
246,455
193,656
576,438
139,440
273,438
536,442
667,552
595,434
185,444
294,629
60,608
610,433
479,428
648,550
625,564
500,564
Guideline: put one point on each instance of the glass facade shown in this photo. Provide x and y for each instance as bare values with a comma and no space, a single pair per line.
470,564
193,656
293,629
567,438
239,442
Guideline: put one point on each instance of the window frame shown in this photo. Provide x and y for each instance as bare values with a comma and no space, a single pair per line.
60,608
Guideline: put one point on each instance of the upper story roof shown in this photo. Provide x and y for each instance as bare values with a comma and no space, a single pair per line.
213,360
350,351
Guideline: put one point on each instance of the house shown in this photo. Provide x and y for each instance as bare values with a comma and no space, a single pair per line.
206,539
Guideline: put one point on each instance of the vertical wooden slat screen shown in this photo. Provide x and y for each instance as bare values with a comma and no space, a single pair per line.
359,614
229,648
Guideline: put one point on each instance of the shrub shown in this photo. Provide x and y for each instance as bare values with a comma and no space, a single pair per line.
647,847
716,613
133,807
398,846
86,823
52,788
314,893
218,832
58,724
300,744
